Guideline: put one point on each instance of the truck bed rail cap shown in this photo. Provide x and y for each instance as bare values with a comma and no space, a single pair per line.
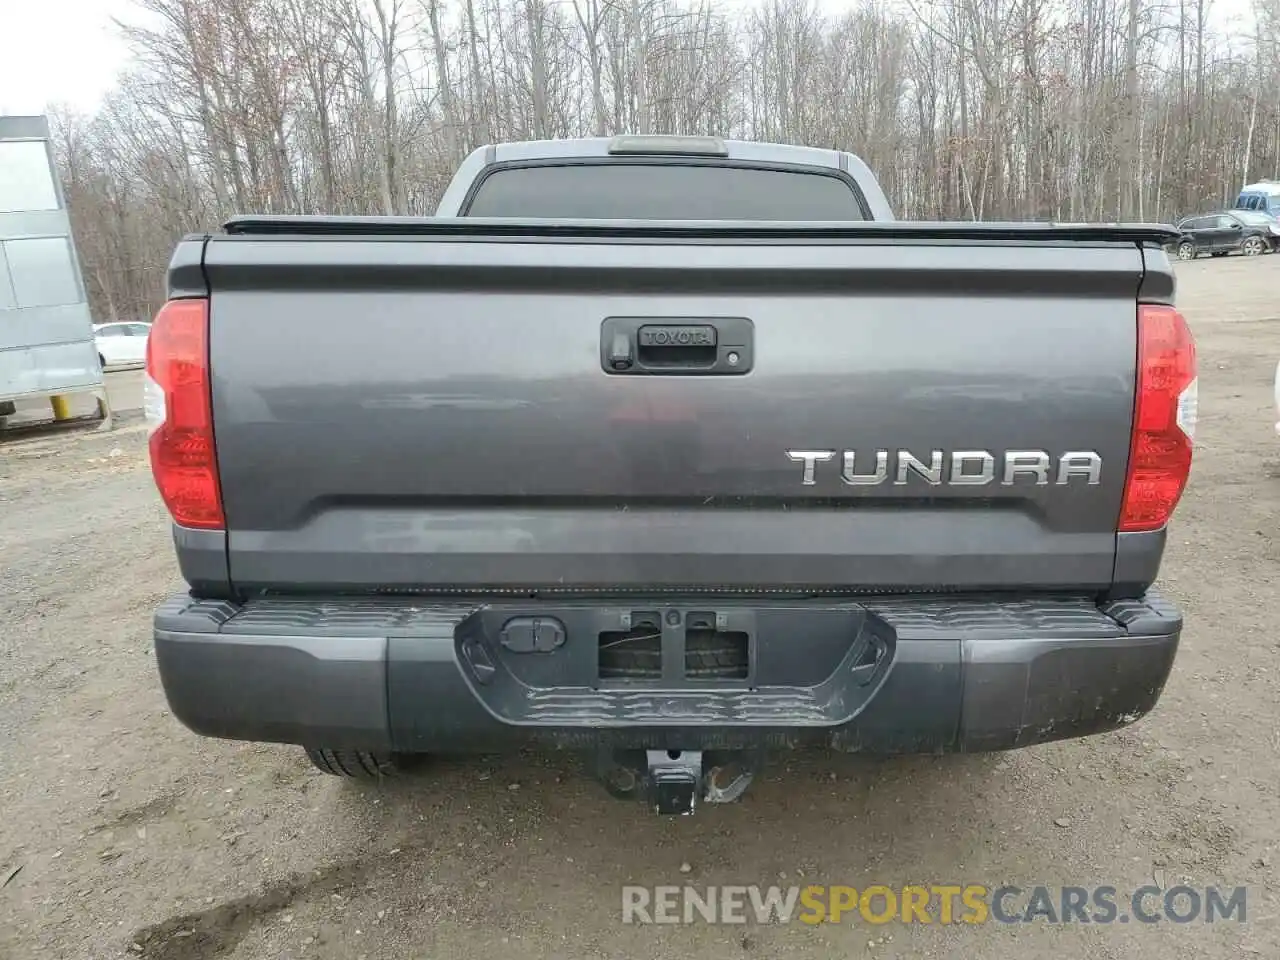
482,227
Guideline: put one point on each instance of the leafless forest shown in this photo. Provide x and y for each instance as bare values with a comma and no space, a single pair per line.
983,109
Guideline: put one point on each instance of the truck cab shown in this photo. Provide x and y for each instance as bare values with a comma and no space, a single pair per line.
664,178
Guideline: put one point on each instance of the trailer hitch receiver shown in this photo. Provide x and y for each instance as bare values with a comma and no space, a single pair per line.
674,776
673,781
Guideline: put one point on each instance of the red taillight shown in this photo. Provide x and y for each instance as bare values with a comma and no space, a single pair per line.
180,415
1164,420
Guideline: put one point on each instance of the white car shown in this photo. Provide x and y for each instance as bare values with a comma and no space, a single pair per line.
121,344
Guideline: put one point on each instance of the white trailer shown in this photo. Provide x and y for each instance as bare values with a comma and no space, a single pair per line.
46,331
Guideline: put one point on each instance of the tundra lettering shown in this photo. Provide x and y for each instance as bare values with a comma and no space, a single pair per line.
965,468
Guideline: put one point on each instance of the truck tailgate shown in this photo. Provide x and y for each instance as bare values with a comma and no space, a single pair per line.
436,411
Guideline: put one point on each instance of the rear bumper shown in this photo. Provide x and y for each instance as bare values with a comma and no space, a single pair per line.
888,675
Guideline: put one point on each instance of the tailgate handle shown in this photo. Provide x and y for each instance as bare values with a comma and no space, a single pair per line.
676,346
683,346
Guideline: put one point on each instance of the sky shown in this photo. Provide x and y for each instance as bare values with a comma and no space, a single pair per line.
58,51
68,51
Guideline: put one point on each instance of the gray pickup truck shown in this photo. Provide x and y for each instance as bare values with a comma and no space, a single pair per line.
674,451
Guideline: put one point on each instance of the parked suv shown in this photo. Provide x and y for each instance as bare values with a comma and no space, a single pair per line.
1218,234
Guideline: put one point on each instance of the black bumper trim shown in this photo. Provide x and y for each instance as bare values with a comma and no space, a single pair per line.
385,673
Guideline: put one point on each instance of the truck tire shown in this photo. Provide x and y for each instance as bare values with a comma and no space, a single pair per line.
361,764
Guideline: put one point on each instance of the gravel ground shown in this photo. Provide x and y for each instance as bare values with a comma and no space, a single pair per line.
136,838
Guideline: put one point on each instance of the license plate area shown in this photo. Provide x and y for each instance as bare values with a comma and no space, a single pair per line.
677,647
665,662
661,644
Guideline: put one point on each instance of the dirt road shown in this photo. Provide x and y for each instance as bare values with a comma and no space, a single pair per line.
131,831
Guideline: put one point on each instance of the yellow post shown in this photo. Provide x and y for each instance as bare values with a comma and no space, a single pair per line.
61,407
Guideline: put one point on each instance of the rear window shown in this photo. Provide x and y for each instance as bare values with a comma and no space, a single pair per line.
622,191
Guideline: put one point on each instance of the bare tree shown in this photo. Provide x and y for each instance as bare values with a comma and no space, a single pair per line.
1047,109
